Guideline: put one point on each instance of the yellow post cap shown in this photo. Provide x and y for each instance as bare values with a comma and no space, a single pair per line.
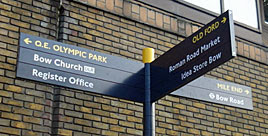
147,55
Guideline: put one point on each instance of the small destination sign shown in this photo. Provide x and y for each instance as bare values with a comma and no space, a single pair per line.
211,46
79,68
217,91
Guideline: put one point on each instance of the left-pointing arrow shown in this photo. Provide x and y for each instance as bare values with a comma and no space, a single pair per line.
27,40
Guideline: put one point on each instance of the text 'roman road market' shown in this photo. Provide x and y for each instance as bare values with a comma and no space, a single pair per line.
195,54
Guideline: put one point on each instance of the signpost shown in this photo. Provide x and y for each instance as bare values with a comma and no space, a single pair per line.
217,91
204,50
79,68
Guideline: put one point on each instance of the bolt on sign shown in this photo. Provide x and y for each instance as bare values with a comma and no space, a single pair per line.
79,68
199,53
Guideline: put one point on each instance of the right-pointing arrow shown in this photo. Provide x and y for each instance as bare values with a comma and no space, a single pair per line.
223,20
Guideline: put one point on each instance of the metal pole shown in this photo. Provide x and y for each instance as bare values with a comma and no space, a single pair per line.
148,107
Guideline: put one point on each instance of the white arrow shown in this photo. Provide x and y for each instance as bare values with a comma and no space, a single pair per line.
27,40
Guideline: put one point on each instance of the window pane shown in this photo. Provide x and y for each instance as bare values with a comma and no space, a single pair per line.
266,10
212,5
243,11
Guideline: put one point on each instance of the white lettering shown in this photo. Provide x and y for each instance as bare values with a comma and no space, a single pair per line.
200,66
236,101
66,65
48,76
214,58
35,72
192,56
42,59
212,43
80,82
78,67
176,66
221,98
186,74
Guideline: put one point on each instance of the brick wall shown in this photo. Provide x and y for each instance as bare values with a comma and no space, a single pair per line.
121,28
25,106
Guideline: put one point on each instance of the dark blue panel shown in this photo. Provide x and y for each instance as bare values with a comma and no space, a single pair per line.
83,68
75,81
192,57
97,72
217,91
70,51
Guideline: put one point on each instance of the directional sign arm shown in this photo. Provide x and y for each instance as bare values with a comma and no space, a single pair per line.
214,44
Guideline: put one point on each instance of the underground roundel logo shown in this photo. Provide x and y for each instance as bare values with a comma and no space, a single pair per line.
211,95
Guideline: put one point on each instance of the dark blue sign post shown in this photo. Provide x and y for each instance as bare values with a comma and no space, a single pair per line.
148,106
79,68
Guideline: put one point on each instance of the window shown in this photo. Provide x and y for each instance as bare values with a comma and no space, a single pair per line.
212,5
265,7
244,11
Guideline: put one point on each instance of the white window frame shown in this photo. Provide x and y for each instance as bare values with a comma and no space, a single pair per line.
244,24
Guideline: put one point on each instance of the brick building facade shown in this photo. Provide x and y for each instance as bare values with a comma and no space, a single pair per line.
120,28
